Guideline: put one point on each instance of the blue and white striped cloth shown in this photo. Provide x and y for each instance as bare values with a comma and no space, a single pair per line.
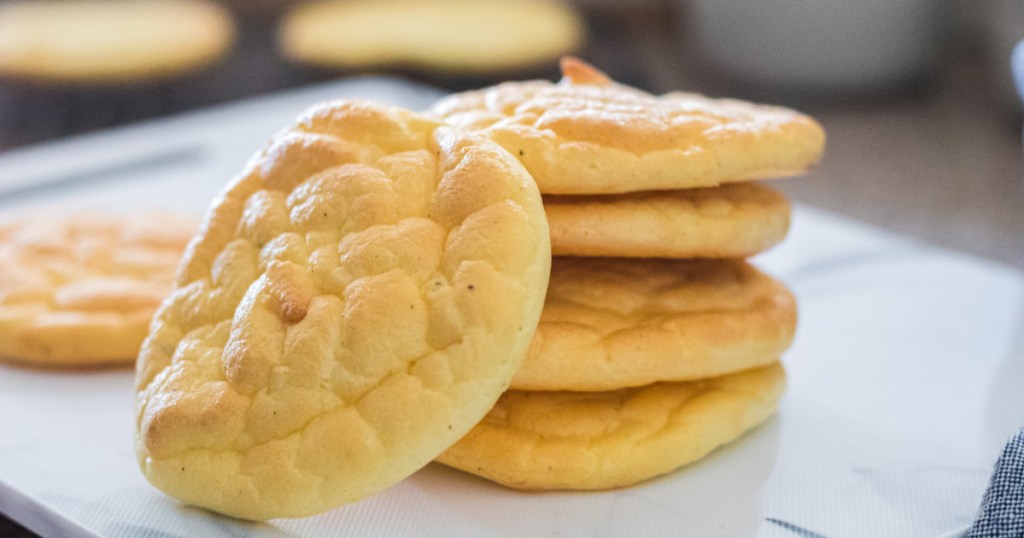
1002,509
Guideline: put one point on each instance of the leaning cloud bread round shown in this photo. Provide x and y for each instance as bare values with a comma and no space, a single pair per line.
355,302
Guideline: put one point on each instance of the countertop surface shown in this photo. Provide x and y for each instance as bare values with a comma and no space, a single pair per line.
902,382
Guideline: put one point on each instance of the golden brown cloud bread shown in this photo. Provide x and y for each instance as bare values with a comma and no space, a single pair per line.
601,440
446,35
357,300
110,40
80,290
730,221
615,322
589,135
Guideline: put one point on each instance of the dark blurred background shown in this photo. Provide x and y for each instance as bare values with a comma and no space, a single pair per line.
808,54
917,95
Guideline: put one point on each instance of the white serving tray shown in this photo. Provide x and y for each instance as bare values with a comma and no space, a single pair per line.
906,378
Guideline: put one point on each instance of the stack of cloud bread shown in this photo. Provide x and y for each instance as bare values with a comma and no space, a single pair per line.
359,298
657,342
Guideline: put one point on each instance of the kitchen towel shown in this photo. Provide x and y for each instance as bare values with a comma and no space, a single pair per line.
1002,509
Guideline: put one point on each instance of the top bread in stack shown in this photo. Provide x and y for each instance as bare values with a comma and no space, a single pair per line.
589,135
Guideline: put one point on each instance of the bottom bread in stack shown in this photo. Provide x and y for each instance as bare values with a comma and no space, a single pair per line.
598,440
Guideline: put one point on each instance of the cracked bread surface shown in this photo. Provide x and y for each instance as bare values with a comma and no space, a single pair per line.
589,135
355,301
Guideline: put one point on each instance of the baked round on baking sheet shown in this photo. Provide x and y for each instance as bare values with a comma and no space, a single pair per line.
110,40
730,221
457,36
590,135
610,323
79,290
357,300
600,440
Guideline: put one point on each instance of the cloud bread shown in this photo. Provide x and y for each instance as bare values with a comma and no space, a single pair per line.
590,135
601,440
610,323
110,40
355,302
80,289
447,35
730,221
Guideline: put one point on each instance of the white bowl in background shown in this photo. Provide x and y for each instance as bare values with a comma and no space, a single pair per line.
1017,67
817,44
1002,28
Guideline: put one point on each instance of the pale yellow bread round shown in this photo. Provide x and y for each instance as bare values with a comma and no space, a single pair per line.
730,221
589,135
445,35
601,440
356,301
610,323
110,40
79,290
